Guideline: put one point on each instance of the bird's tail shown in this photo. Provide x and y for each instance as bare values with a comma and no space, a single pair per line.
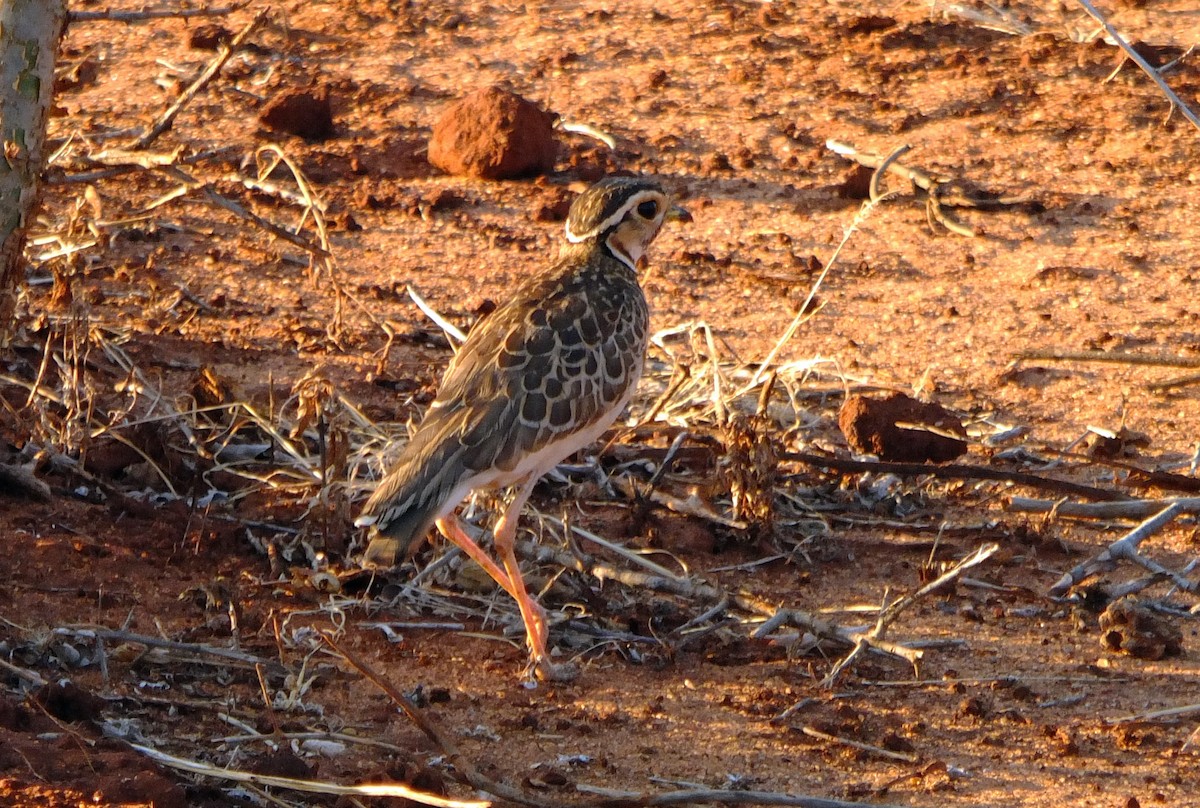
405,505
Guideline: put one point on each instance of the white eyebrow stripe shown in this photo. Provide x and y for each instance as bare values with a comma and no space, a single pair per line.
634,201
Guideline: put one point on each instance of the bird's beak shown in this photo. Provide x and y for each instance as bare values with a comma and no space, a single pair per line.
677,214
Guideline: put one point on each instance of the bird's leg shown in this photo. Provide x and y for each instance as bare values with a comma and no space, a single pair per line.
451,527
534,616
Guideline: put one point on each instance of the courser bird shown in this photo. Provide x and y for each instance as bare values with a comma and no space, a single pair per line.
539,378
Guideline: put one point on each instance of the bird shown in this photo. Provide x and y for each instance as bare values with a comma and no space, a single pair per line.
537,379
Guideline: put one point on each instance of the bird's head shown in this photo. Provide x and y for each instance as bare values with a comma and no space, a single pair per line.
623,213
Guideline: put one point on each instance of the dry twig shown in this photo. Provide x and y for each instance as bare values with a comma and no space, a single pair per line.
956,471
1120,358
194,652
164,121
1168,713
112,15
813,732
941,192
1125,549
889,614
308,786
1127,509
1113,357
615,798
1140,61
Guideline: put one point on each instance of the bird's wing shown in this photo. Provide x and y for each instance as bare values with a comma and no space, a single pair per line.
557,358
553,361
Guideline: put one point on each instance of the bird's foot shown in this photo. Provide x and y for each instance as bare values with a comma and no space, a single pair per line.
543,670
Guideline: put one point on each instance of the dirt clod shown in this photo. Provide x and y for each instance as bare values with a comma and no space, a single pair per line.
281,763
209,36
555,208
494,134
68,702
305,113
856,183
871,427
1132,628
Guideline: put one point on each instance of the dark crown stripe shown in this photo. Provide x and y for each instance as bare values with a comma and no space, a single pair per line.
605,204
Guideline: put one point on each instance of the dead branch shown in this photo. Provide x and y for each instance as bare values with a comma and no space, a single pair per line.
976,558
1125,548
1140,61
1128,509
615,798
189,183
191,651
21,673
892,611
956,471
122,161
825,629
1138,476
152,14
706,592
17,479
613,547
700,590
674,585
164,121
692,505
1167,385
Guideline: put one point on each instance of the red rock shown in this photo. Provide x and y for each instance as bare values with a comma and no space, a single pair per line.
869,425
494,134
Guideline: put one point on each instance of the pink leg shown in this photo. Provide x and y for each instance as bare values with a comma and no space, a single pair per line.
532,613
451,527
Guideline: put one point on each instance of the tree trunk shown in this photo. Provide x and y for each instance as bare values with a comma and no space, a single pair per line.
29,35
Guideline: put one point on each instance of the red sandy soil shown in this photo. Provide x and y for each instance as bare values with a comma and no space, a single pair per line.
730,103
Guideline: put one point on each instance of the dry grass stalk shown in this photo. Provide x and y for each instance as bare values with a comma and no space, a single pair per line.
992,17
804,311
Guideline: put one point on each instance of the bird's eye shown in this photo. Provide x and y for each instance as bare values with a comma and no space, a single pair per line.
648,210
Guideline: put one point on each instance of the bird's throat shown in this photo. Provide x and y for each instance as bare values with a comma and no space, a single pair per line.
627,254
